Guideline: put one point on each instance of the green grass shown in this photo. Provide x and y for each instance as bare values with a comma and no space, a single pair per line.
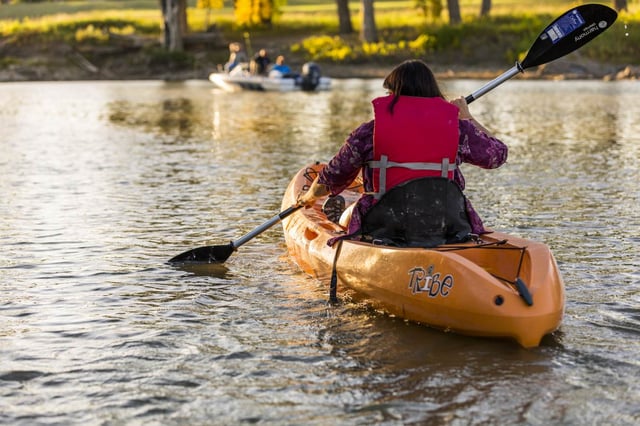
510,29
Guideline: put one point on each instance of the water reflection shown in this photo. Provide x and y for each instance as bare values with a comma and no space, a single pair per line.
102,182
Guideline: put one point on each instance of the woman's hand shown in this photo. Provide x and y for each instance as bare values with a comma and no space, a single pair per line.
306,200
316,191
464,113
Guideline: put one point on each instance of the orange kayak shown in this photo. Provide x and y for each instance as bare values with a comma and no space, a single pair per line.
498,286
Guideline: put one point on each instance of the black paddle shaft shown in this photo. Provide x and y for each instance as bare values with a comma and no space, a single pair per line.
567,33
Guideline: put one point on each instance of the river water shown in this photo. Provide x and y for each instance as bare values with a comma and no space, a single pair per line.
102,182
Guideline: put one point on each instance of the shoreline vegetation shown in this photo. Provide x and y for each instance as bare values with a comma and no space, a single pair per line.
46,42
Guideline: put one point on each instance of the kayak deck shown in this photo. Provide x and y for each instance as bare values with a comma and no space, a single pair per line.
480,288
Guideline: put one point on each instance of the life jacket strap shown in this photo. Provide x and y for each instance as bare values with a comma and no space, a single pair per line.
383,164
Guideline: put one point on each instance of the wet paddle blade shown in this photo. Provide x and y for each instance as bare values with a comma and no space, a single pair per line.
569,32
206,254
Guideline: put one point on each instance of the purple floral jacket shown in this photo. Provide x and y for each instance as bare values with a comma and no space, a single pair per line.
475,147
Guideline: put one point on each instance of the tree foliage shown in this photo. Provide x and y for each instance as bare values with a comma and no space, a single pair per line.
257,12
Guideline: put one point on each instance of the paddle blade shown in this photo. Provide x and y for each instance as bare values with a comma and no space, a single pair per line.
206,254
569,32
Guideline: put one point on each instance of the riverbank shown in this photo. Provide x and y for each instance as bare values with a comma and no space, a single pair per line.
570,68
132,61
53,41
73,66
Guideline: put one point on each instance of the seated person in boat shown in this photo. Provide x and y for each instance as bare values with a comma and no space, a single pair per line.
280,69
237,57
260,63
416,134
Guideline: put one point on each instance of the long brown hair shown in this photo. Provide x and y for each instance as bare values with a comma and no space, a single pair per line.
412,78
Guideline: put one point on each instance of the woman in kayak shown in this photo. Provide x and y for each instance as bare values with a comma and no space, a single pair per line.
414,116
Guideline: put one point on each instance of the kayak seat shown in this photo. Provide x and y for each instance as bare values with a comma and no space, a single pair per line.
423,212
333,207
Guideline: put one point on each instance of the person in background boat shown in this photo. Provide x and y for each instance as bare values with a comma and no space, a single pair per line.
412,78
280,69
237,57
260,63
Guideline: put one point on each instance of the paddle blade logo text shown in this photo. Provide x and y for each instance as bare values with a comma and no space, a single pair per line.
590,29
426,281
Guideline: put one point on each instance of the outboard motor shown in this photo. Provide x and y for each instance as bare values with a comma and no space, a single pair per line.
310,76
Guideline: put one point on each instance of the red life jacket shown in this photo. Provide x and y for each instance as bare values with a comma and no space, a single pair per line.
419,139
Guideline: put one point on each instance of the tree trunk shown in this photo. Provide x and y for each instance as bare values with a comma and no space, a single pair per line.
182,13
174,13
620,5
344,17
454,12
485,8
369,32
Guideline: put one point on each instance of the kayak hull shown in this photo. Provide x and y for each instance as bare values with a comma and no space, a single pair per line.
468,288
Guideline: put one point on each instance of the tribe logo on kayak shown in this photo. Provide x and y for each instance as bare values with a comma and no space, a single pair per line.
426,281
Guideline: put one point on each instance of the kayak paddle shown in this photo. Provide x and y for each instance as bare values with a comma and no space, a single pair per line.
567,33
218,254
